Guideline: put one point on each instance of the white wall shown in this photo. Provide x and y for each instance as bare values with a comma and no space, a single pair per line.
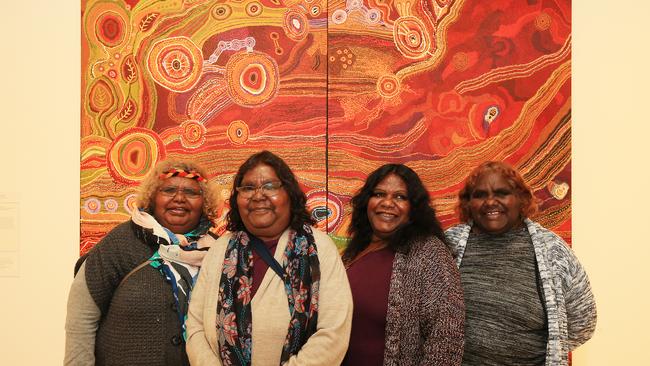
611,182
39,158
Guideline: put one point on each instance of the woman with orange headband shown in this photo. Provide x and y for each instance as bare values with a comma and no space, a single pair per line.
129,298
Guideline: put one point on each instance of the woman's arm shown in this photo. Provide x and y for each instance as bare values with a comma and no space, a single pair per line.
443,308
327,346
100,273
81,323
199,351
579,303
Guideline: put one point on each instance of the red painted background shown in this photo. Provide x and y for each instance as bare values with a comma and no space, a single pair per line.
336,88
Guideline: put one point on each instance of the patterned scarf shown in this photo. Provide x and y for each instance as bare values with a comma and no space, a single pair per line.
301,281
179,264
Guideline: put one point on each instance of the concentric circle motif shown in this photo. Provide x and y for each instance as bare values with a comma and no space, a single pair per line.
543,21
238,132
192,134
252,78
411,37
175,63
111,205
221,11
326,209
254,9
110,29
315,11
373,16
388,86
296,25
130,202
133,153
339,16
92,205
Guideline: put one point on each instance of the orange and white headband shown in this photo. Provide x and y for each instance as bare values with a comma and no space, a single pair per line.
182,173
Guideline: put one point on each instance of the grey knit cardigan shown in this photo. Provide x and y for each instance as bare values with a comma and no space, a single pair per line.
139,323
426,313
569,303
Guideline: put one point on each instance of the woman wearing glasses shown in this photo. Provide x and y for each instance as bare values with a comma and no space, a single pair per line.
129,299
274,290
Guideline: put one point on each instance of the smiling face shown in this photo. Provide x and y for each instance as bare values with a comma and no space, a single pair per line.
263,216
178,212
495,205
388,207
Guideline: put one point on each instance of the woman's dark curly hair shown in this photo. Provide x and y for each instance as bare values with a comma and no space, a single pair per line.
422,217
297,199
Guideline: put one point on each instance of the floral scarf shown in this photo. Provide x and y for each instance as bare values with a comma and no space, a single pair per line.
178,257
301,282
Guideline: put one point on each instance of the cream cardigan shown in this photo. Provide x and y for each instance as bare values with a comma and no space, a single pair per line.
270,311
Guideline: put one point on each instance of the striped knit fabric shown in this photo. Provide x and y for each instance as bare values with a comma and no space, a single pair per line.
505,322
570,305
426,313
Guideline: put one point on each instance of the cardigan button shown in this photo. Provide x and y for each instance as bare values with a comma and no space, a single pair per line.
176,340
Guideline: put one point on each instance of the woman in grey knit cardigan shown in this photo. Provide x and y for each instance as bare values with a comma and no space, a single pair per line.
128,302
408,304
527,297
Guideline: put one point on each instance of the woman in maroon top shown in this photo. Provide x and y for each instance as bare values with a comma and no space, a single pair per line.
408,303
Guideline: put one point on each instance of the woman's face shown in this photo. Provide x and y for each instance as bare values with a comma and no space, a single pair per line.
178,204
494,205
388,207
265,215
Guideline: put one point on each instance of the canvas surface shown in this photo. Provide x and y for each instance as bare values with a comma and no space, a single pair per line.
335,88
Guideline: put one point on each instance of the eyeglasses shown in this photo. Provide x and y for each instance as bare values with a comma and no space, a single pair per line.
269,189
172,191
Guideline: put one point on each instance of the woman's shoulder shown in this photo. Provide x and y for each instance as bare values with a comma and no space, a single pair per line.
431,261
120,250
124,229
328,252
457,231
120,238
554,248
324,243
217,247
545,236
428,246
210,240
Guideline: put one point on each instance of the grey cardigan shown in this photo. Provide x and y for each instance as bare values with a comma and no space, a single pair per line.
426,313
115,323
569,303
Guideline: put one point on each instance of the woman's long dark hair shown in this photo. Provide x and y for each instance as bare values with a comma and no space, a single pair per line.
297,198
422,217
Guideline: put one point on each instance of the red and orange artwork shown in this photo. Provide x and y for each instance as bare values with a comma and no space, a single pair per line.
337,88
